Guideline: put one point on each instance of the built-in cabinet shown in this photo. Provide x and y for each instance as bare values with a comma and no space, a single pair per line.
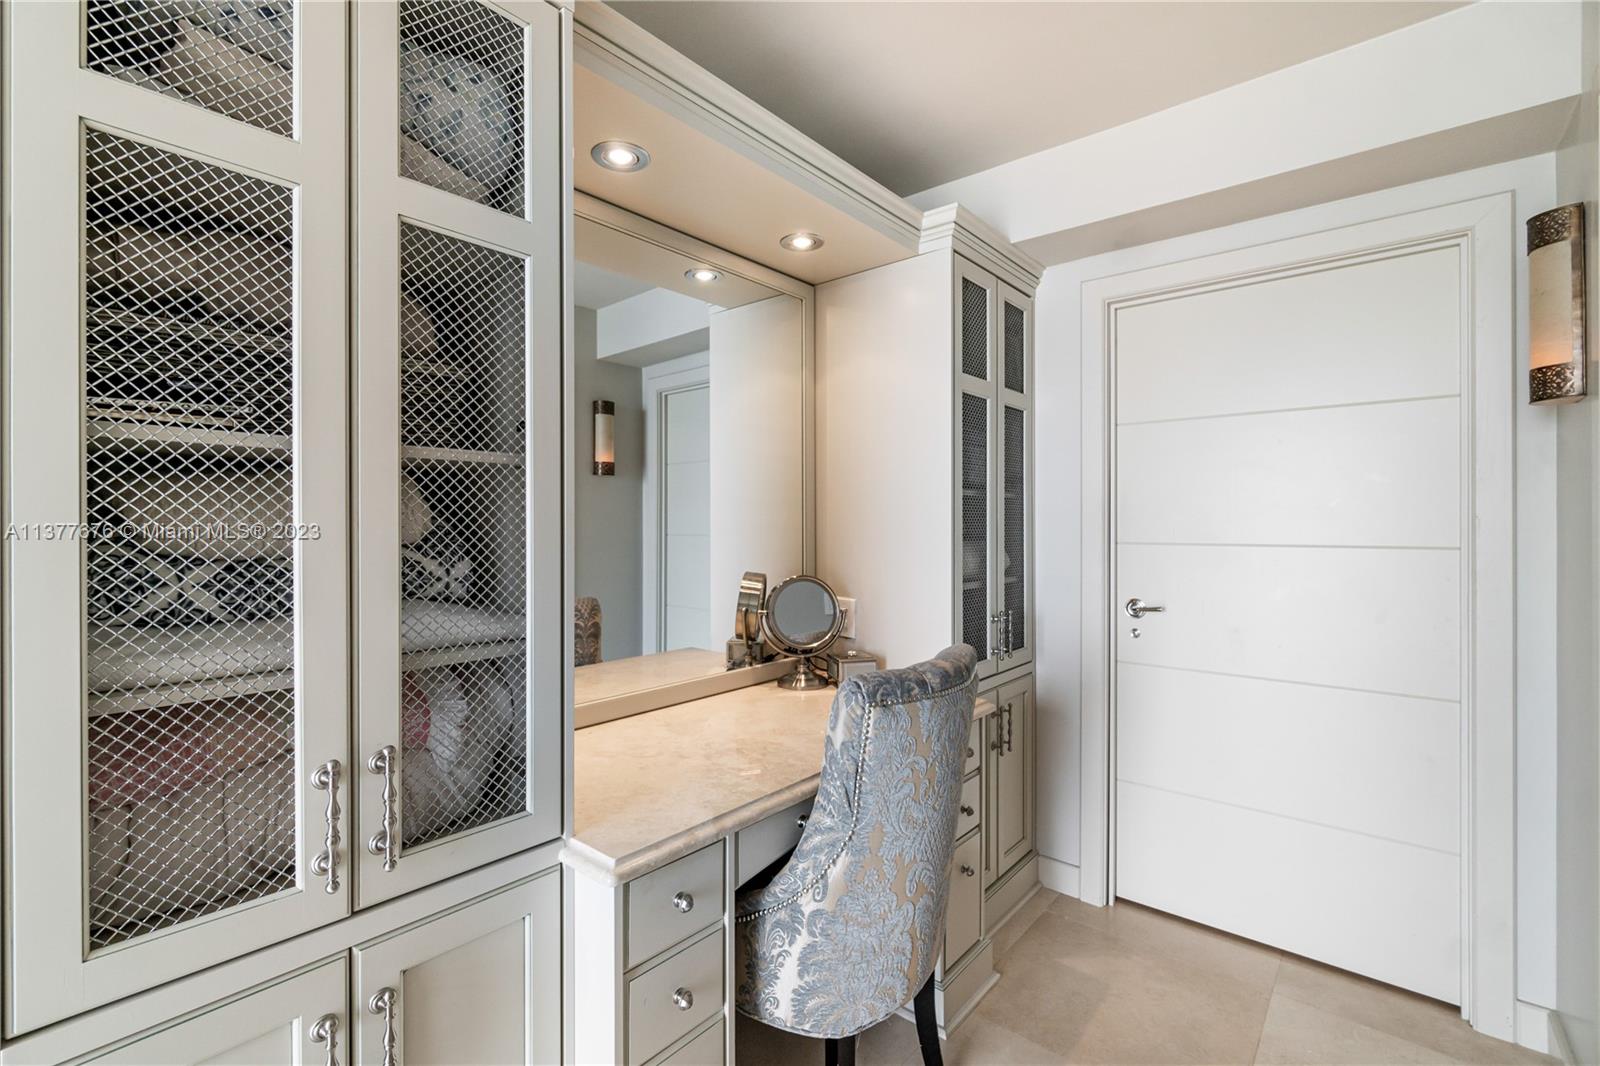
1008,763
283,613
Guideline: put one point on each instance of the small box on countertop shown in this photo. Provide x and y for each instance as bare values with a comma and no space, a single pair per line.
845,663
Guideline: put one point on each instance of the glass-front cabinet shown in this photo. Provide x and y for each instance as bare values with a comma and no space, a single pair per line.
216,508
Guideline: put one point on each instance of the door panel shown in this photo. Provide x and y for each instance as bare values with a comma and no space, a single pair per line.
1011,820
1392,479
277,1024
1294,342
1014,479
1287,733
1376,907
977,466
478,984
1325,616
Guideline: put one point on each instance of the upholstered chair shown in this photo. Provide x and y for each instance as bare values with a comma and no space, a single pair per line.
585,631
849,929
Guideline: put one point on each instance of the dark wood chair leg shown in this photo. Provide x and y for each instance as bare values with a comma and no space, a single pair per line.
841,1052
830,1052
927,1025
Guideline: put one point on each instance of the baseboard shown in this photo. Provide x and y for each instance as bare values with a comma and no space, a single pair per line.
1059,876
1532,1023
1559,1045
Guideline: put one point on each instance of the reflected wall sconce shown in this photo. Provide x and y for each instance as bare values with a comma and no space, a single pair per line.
605,438
1557,347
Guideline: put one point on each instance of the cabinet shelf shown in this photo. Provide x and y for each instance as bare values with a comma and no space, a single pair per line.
185,439
412,453
189,329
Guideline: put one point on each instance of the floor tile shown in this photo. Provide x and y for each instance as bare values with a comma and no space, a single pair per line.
1186,944
1023,920
1298,1034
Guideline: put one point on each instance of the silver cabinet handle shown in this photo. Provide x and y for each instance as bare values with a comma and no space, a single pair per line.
1008,728
995,632
1005,627
382,762
325,1030
325,863
1137,608
683,999
967,809
968,871
383,1003
683,903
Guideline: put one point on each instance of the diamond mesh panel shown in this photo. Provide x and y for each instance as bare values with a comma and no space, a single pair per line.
974,330
1016,324
234,58
461,101
190,584
463,575
975,523
1014,484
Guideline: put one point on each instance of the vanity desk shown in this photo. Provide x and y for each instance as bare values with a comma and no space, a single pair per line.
673,809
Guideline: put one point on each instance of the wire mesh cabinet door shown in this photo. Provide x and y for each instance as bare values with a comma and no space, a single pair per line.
458,325
175,380
1014,496
976,370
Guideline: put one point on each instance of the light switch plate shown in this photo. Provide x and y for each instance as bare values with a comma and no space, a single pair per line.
847,606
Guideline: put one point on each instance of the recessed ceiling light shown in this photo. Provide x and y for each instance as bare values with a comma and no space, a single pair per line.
704,275
802,242
620,155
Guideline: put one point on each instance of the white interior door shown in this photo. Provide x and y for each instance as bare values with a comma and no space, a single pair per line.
686,519
1289,471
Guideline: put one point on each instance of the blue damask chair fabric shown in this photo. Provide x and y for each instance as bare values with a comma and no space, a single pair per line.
851,927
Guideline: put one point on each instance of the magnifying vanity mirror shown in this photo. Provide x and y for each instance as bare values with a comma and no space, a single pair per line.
800,620
692,378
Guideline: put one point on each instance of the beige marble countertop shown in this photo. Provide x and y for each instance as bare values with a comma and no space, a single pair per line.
605,680
653,787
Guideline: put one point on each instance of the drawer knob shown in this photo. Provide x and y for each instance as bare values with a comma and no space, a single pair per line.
683,999
967,810
970,752
800,822
683,903
969,871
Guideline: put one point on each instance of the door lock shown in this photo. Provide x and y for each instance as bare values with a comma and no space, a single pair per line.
1137,608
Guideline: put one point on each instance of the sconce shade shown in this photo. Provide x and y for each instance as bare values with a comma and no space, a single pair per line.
1557,347
605,440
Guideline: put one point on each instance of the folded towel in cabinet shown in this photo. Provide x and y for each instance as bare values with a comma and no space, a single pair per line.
264,27
419,164
225,78
232,277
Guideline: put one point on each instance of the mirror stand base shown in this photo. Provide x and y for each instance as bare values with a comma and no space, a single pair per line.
804,679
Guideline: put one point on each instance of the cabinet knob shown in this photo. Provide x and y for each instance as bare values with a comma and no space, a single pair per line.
800,822
683,999
683,903
970,752
969,871
966,809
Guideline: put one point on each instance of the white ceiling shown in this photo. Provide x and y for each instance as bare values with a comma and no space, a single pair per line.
918,93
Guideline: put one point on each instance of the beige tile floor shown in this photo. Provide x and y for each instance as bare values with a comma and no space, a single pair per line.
1128,985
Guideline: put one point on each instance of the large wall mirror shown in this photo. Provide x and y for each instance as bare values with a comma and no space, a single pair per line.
692,408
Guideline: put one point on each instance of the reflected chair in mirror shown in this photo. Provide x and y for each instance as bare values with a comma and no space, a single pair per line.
585,631
849,929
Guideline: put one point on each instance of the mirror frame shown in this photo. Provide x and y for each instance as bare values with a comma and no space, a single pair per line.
787,645
638,227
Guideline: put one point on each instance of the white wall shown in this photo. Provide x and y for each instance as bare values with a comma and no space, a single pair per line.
607,520
1059,360
1575,892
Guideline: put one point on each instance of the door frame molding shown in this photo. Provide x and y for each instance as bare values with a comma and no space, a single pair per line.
683,374
1483,229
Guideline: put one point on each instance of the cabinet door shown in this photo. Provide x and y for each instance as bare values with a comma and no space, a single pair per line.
479,984
1014,506
975,466
1009,819
300,1019
177,624
458,327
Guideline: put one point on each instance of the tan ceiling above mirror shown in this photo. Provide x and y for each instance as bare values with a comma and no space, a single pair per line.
692,406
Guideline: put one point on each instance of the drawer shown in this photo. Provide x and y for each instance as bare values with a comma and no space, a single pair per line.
963,917
674,902
770,839
971,805
710,1048
974,747
674,997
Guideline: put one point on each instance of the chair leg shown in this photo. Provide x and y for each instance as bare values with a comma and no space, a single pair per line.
927,1025
841,1052
830,1052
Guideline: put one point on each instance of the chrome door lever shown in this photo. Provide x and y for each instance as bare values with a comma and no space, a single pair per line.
1137,608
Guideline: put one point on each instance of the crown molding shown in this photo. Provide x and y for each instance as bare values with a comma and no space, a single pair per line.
625,53
955,228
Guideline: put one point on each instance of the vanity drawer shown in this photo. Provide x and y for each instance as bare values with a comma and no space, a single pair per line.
710,1048
770,839
974,747
674,902
674,997
971,805
963,917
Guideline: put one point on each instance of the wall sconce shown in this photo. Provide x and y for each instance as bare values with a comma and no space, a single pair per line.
605,438
1557,349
